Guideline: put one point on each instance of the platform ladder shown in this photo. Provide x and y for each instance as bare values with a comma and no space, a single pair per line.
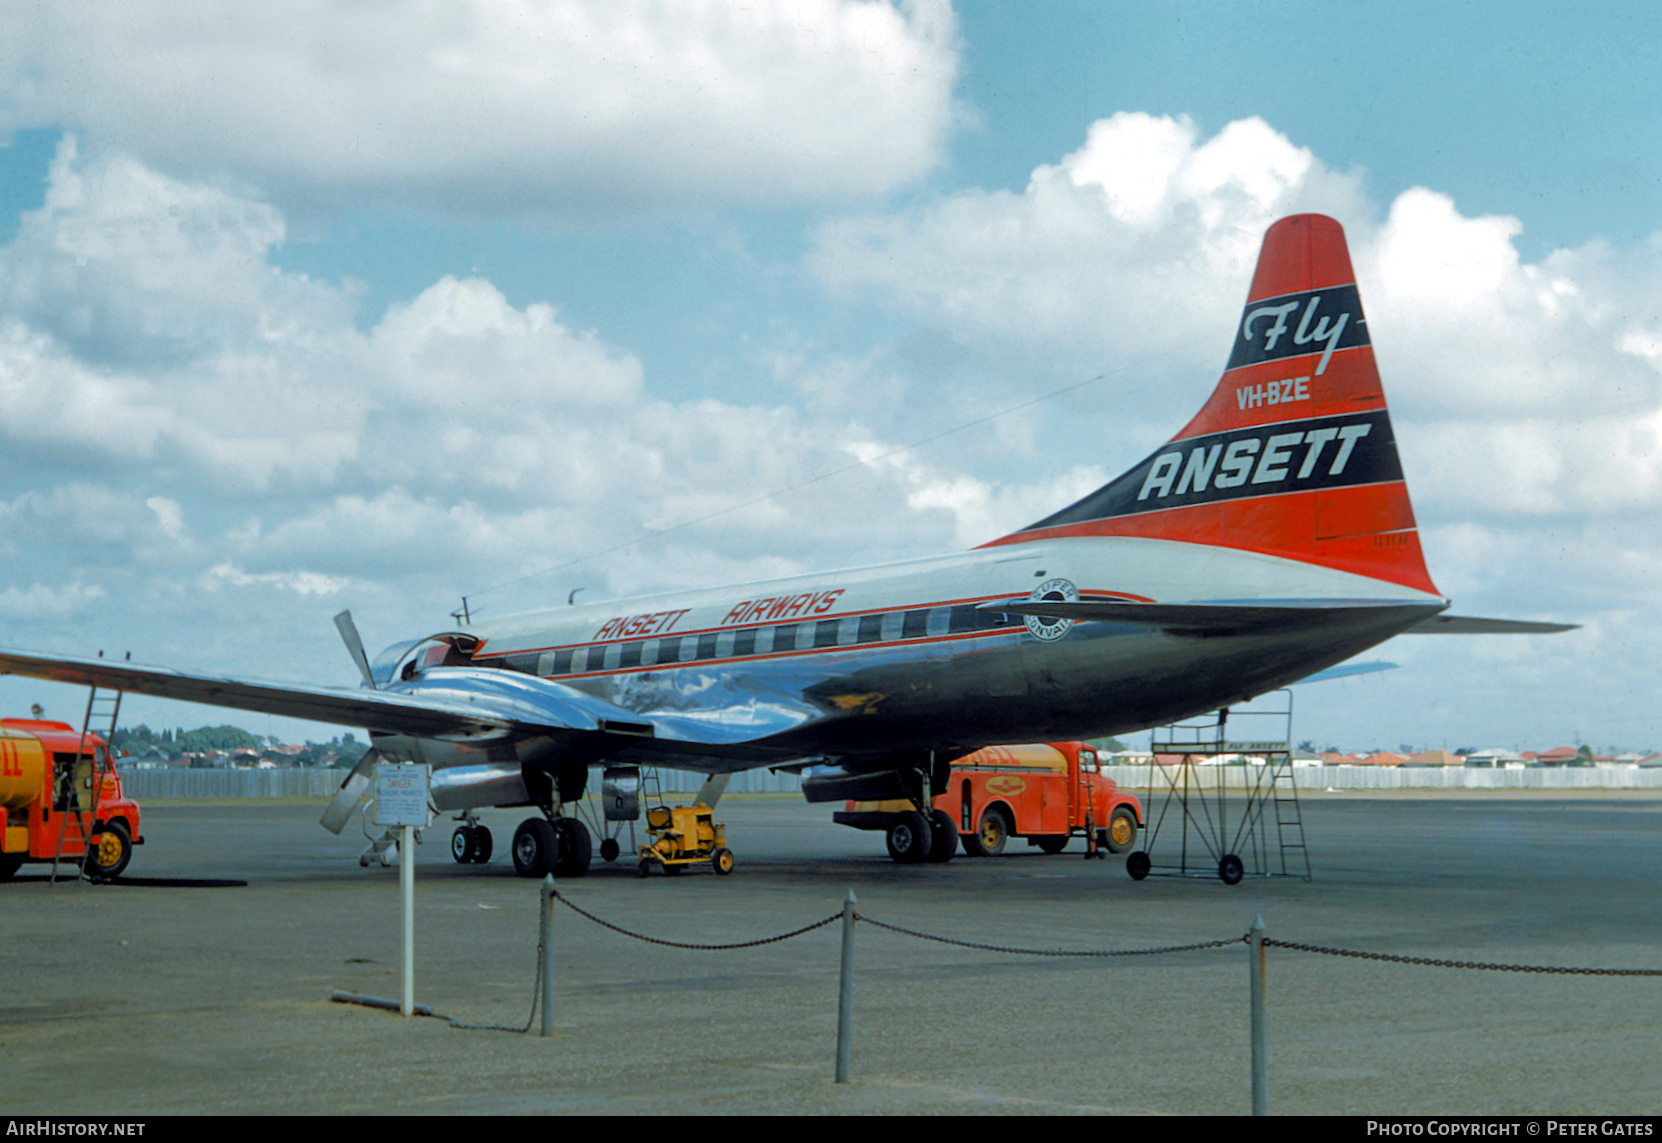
103,711
1289,818
1202,816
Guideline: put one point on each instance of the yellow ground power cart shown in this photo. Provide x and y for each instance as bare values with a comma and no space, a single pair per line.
682,836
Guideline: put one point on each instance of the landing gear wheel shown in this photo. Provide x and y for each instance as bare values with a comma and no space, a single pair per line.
1052,845
483,847
609,849
1138,865
722,861
943,841
576,848
535,844
990,834
1122,830
112,852
909,837
464,843
1230,869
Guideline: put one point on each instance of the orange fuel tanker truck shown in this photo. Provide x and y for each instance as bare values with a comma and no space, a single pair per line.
48,806
1044,792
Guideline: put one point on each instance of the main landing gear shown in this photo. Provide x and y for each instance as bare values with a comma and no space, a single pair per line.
561,846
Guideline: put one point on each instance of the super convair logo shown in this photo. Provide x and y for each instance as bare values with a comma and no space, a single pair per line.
1048,627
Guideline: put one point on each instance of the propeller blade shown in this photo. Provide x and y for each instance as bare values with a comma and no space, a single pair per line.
349,635
351,789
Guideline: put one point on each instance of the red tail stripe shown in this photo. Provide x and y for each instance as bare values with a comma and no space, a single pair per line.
1303,252
1368,530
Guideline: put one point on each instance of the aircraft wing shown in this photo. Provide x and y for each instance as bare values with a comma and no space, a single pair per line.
456,704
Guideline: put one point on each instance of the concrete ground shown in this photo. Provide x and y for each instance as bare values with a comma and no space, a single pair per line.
168,997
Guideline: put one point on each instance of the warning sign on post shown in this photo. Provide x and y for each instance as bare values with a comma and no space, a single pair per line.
401,796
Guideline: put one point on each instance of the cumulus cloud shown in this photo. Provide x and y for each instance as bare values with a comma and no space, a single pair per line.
1532,388
517,108
1134,244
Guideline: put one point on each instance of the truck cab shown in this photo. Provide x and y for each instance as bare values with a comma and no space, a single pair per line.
49,806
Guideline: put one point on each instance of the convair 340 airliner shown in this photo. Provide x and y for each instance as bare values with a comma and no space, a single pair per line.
1268,540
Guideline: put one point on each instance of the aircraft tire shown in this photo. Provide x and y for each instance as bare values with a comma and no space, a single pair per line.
463,845
1121,833
535,844
483,845
1138,865
909,837
576,851
1230,869
609,849
112,852
943,841
989,835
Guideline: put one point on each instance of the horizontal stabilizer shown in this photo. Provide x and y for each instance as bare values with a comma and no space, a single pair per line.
1466,625
1346,670
1280,614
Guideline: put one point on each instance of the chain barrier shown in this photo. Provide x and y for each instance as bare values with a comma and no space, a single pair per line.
837,916
1050,952
1434,963
1268,942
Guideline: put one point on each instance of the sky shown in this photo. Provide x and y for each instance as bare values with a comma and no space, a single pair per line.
376,306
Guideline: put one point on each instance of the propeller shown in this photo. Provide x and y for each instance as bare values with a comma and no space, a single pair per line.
352,788
355,646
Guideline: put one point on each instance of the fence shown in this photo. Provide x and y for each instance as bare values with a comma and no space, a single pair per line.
160,785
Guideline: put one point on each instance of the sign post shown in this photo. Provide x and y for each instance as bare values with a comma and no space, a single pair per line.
401,800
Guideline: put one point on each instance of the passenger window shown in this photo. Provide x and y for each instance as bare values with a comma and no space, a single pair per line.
870,628
916,625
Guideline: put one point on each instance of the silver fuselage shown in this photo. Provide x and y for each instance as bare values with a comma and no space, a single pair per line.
863,663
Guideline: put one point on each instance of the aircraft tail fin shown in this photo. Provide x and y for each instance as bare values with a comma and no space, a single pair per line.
1293,454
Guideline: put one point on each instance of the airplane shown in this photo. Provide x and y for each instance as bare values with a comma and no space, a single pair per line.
1269,540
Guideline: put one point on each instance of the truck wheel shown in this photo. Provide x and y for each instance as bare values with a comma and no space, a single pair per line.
990,834
1122,830
722,861
10,863
909,837
1052,845
944,836
112,851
